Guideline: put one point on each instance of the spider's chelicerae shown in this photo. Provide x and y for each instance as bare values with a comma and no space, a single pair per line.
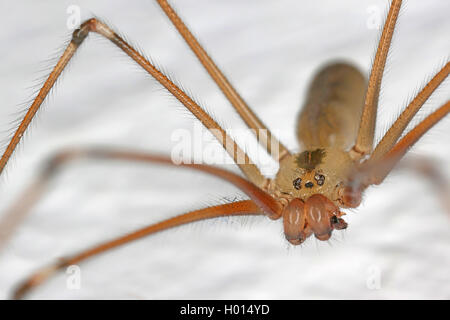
314,186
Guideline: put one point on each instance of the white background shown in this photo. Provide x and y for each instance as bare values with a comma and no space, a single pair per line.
269,50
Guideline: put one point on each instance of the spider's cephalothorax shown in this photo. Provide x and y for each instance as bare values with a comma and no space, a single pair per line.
325,175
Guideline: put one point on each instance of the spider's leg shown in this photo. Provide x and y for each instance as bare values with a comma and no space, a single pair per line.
429,169
239,208
15,215
374,172
264,136
366,132
396,130
93,25
400,149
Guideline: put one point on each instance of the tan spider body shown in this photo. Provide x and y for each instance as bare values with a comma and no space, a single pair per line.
335,130
326,131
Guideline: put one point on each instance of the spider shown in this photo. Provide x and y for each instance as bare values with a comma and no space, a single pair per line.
311,186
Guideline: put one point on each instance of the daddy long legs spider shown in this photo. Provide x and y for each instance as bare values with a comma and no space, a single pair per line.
301,79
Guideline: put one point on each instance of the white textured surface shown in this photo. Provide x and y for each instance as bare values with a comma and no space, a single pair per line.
269,49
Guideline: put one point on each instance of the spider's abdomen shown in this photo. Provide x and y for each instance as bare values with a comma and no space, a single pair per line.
331,114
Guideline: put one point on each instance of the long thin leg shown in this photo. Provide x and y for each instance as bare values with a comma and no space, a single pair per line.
374,172
264,136
93,25
426,167
399,150
240,208
15,215
364,141
396,130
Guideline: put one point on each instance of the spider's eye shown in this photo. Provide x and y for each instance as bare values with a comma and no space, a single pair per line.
309,184
320,178
297,183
